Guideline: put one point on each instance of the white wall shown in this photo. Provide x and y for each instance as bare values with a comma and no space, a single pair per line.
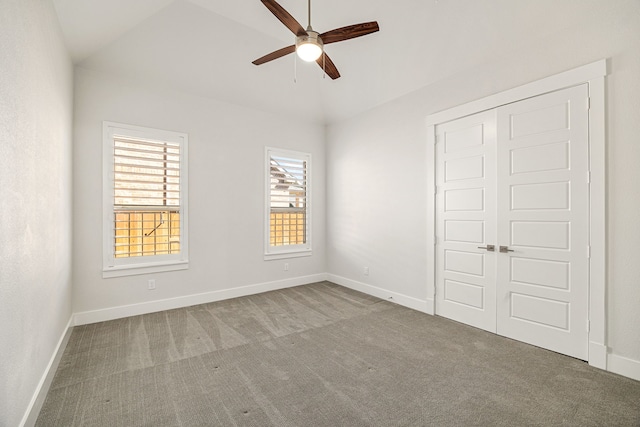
35,199
376,167
226,195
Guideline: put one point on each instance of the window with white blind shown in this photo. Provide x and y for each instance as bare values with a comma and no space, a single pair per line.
144,200
288,202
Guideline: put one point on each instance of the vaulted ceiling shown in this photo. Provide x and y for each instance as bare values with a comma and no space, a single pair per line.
205,47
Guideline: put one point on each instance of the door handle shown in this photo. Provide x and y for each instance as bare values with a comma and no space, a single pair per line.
489,248
505,249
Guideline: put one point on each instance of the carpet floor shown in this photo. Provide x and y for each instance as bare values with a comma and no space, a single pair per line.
321,355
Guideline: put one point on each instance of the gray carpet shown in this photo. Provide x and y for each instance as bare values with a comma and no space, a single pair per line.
321,355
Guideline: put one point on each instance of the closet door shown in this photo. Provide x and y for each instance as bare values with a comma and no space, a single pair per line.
465,217
543,221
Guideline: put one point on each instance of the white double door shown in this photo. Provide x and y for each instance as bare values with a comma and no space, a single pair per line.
512,200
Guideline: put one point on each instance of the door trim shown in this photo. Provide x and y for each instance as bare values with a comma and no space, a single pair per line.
593,74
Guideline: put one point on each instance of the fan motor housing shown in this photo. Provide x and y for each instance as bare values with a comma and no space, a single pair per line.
312,37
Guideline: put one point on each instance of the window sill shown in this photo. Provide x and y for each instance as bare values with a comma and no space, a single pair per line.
132,270
285,255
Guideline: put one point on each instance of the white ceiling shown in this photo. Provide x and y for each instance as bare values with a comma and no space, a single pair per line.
205,47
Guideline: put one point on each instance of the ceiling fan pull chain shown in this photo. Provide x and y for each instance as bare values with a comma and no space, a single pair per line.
295,69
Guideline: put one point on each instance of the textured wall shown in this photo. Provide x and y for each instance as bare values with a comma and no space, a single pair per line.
378,219
35,198
226,190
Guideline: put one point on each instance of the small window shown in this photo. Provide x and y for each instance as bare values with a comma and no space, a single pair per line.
288,201
145,200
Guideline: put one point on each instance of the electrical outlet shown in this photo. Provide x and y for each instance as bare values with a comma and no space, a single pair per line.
286,266
152,284
366,271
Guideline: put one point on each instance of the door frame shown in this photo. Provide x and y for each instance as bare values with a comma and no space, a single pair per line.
594,75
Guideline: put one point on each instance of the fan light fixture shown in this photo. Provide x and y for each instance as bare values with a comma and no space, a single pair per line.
309,47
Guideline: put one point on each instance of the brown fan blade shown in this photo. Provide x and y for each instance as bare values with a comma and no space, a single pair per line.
285,17
328,66
349,32
275,55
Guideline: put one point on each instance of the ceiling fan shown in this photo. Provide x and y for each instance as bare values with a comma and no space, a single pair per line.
309,44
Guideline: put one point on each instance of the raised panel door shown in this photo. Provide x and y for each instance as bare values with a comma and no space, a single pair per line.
542,218
465,202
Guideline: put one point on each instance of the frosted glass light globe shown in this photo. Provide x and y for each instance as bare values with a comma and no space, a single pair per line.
309,52
309,47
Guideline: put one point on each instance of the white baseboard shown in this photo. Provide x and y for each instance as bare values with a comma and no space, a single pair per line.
119,312
597,355
414,303
40,394
623,366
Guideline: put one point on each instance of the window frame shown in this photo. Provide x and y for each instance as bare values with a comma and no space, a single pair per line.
287,251
118,267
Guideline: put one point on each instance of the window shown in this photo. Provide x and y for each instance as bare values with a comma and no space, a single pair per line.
145,200
288,201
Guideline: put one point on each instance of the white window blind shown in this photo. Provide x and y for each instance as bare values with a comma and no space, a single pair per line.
146,200
288,201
